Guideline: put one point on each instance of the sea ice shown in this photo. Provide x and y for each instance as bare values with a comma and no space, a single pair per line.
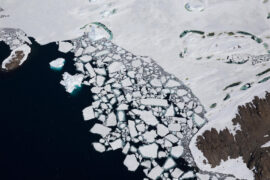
88,113
57,64
177,151
154,102
149,151
71,82
169,163
65,46
155,172
100,129
99,147
131,162
148,118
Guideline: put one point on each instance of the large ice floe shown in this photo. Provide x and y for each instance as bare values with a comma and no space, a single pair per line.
139,108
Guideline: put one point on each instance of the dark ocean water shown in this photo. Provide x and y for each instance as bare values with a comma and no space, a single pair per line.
43,135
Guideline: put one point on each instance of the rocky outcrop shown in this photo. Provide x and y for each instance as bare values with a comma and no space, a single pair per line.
254,119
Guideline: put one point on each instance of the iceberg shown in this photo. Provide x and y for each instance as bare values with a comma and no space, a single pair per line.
71,82
57,64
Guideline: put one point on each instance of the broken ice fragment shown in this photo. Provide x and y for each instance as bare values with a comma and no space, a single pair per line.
177,173
132,129
154,102
198,120
115,67
148,118
99,147
169,163
150,136
100,129
149,151
162,130
88,113
71,82
57,64
155,172
117,144
90,69
172,83
131,162
177,151
86,58
188,175
111,120
65,47
170,111
174,127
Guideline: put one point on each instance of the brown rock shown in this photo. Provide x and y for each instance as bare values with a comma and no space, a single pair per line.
254,119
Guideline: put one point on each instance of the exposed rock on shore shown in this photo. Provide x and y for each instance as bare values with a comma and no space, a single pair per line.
254,120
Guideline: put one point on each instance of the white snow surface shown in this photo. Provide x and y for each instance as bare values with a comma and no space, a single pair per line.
266,145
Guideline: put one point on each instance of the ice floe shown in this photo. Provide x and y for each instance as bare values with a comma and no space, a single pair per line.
57,64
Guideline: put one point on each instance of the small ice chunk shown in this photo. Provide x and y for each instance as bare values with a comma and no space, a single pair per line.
100,80
115,67
148,118
156,82
79,67
126,82
177,151
89,50
181,92
65,47
88,113
170,112
136,63
132,130
155,172
141,127
57,64
100,129
90,69
71,82
177,173
150,136
146,164
86,58
172,83
149,151
117,144
188,175
198,120
169,163
111,120
172,138
126,148
162,130
122,107
79,52
131,162
99,147
154,102
174,127
100,71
